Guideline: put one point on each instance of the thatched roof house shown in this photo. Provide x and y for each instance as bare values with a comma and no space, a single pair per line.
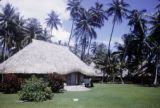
41,57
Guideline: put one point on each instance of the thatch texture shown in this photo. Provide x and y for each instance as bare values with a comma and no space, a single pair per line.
41,57
97,72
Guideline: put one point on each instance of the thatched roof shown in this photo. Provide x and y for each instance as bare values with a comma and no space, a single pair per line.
97,72
41,57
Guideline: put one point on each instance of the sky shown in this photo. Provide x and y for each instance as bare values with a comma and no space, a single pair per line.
40,8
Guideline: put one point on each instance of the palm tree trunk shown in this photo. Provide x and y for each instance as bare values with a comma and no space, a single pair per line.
4,48
156,73
89,45
51,31
82,53
103,77
83,47
123,59
110,39
155,79
113,78
70,34
122,82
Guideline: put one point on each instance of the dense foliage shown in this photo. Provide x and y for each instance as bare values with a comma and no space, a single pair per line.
35,89
56,82
11,83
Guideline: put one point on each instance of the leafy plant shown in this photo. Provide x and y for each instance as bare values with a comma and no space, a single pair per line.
11,83
56,82
36,90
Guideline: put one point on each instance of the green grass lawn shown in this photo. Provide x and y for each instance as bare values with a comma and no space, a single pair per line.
101,96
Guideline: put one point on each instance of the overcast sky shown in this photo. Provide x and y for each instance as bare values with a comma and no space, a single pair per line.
40,8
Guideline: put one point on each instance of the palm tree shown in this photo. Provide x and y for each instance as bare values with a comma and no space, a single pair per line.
137,22
53,21
74,6
155,40
118,9
6,21
84,30
19,34
158,5
98,15
100,58
34,29
11,31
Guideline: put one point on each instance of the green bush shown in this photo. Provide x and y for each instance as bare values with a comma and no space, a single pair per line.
56,82
11,83
35,90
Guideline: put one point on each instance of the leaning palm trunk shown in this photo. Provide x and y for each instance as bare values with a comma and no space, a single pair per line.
70,34
109,47
155,79
89,46
156,73
122,82
123,59
51,31
103,77
83,51
110,39
113,78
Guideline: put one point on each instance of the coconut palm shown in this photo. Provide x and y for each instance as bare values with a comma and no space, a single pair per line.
53,21
74,6
84,30
155,40
158,5
34,29
98,15
6,21
137,22
117,9
19,33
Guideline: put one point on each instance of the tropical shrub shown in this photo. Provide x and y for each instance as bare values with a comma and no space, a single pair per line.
35,89
56,82
11,83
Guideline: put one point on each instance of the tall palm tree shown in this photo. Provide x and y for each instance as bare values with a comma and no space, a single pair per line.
98,15
84,30
74,6
53,21
137,22
117,9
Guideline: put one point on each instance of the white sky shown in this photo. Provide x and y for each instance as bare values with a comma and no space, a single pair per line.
39,9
